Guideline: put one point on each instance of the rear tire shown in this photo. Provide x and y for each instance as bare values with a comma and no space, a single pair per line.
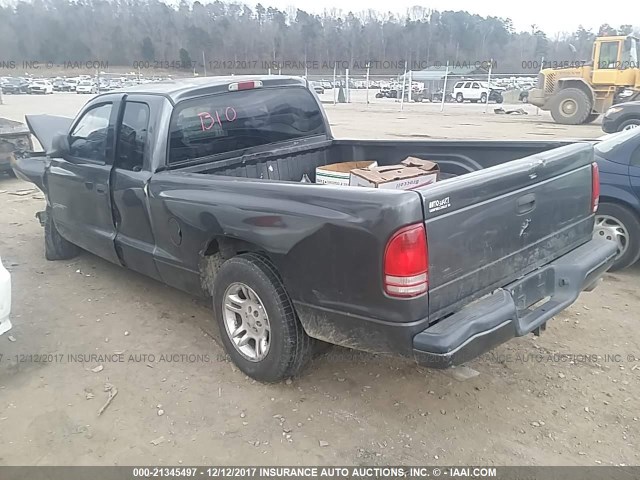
611,219
288,347
483,98
56,247
570,106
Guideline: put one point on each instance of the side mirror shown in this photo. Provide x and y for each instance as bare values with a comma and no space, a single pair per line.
59,146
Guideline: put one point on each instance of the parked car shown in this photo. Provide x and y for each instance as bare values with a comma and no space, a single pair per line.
15,85
476,91
440,274
523,96
59,85
86,86
5,299
618,216
15,141
104,86
623,116
386,92
317,87
71,84
437,96
44,87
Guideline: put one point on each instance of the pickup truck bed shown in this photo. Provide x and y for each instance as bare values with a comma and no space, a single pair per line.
493,257
440,274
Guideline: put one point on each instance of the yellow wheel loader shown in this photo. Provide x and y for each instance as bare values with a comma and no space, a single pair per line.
581,91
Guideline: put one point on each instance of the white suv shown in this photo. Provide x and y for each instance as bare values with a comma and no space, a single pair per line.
470,90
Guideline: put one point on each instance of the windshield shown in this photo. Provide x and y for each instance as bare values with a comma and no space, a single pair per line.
218,124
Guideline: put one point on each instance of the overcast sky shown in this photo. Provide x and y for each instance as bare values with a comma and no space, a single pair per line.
551,16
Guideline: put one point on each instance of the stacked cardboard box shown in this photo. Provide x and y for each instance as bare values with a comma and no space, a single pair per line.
411,173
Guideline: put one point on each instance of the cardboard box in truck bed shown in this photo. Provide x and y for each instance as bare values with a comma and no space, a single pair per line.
426,165
396,177
340,173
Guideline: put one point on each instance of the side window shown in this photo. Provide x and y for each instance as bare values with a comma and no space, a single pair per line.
88,140
476,85
459,85
608,55
132,136
467,85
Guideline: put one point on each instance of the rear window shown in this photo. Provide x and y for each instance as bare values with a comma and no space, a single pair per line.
229,122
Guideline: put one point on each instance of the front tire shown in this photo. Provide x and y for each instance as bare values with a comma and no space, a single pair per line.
56,247
570,106
258,324
459,98
617,223
629,124
483,98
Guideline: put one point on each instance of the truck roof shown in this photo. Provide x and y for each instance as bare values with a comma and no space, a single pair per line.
183,88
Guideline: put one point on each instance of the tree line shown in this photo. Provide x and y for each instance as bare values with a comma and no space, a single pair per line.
234,37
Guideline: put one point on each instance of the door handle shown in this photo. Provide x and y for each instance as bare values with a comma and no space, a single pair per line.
526,203
89,185
100,188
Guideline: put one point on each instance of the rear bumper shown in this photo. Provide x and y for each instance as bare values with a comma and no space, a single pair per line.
514,310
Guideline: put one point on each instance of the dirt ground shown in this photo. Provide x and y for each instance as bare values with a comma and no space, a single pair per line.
568,397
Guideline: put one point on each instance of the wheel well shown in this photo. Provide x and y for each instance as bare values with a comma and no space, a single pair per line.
632,208
627,117
579,84
217,251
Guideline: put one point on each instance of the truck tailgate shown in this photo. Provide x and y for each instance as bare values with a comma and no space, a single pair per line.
490,227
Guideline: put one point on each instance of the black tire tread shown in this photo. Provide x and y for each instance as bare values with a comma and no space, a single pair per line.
56,247
298,346
580,98
303,344
632,222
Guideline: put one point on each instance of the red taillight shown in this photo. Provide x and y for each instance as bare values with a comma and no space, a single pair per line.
406,262
234,87
595,187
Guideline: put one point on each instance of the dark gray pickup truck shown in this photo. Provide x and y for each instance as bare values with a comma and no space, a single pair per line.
198,185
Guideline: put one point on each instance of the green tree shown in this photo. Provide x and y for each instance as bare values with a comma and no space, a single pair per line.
148,50
185,58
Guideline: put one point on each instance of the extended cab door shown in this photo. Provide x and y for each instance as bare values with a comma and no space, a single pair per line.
78,185
135,242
